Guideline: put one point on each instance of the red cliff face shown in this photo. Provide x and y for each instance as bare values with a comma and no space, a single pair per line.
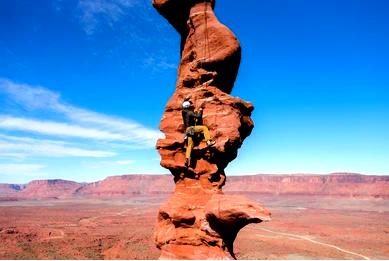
9,190
125,186
345,185
43,189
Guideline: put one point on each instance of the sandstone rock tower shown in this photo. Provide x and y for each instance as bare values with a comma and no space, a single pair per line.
199,221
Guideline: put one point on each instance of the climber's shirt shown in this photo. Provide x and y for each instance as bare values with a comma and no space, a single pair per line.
191,118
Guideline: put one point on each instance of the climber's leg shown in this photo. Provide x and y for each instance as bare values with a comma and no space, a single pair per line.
188,152
204,130
207,136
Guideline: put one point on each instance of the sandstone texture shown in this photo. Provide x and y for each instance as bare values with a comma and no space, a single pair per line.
210,57
199,221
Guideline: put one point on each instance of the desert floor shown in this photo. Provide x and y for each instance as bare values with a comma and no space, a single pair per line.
303,227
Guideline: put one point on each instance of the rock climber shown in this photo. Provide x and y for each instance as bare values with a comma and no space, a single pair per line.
193,126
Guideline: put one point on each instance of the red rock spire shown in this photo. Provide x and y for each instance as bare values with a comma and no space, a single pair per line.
199,221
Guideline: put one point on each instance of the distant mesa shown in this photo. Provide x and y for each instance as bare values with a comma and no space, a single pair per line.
10,191
55,188
348,185
125,186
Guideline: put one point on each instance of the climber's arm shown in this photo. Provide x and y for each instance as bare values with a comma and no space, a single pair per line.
199,114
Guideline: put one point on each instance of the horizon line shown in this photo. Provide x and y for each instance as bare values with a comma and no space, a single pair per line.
241,175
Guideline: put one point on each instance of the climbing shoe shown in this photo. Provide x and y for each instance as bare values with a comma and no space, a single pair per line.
210,143
187,162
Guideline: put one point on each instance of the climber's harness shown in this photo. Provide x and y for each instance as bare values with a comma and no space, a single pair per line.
189,132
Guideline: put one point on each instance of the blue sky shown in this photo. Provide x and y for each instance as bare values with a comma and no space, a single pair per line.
83,85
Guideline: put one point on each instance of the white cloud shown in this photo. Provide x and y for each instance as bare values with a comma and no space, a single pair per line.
55,128
94,12
83,123
130,130
158,62
124,162
13,155
20,147
96,15
21,169
30,97
107,164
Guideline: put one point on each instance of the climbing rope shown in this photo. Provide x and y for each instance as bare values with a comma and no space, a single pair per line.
206,49
206,39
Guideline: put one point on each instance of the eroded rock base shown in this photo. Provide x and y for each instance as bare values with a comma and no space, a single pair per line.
201,223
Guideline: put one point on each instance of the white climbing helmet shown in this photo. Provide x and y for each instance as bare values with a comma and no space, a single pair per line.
186,104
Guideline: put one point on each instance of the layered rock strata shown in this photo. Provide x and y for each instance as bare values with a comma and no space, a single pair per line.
199,221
